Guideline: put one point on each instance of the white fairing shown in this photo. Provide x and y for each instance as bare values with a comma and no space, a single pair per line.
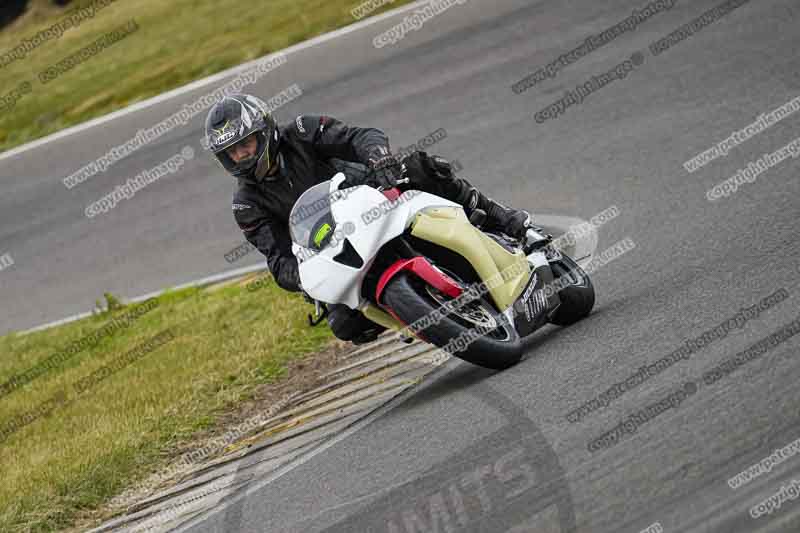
360,219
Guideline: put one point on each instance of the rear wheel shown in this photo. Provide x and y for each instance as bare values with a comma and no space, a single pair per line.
577,298
475,332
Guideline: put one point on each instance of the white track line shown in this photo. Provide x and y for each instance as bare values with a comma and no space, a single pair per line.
207,81
208,280
586,245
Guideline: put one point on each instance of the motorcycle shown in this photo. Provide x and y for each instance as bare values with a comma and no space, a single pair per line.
413,262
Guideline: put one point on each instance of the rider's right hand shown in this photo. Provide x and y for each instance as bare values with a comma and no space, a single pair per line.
384,172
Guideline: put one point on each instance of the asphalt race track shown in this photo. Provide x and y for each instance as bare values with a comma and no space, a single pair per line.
470,449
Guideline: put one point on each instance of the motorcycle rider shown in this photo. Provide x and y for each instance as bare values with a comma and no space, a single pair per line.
275,165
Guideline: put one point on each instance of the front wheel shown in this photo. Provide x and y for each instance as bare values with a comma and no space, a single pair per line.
475,332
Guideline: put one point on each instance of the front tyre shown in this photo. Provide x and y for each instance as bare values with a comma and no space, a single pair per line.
476,332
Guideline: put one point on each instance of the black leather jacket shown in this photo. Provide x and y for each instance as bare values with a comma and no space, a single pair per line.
312,149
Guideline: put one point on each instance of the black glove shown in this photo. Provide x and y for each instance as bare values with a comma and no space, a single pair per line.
384,172
438,167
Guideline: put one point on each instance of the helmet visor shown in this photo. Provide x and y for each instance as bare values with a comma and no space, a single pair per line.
236,158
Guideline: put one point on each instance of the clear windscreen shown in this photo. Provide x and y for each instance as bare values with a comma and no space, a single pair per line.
311,222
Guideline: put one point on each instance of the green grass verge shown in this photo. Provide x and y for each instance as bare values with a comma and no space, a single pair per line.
178,41
98,441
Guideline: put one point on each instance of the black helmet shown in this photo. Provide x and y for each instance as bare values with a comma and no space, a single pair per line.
235,118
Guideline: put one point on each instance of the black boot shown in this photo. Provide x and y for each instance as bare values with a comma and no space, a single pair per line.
514,223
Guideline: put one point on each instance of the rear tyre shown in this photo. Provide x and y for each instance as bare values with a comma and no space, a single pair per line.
577,298
498,347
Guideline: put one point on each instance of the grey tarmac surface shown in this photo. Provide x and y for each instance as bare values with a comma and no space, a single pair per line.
472,450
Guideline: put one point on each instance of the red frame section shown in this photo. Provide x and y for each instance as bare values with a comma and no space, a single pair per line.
392,194
422,268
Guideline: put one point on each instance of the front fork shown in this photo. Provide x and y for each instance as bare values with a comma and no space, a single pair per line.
535,304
